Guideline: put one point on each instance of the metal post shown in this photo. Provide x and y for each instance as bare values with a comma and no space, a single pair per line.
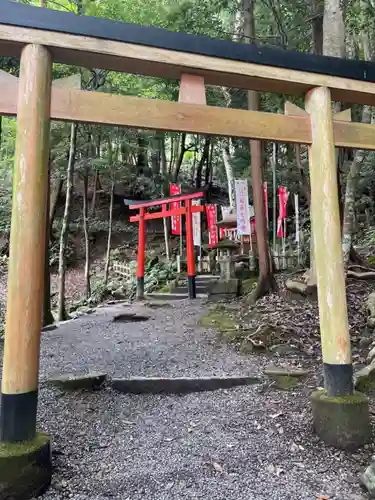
19,389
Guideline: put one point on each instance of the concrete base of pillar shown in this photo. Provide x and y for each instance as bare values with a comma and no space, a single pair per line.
341,421
25,468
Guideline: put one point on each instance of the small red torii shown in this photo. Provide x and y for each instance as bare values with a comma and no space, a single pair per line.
188,209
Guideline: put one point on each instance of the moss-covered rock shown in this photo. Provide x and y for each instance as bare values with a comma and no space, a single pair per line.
285,378
248,285
78,382
364,379
370,304
25,468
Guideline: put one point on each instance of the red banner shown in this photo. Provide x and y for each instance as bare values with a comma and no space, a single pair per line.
265,196
175,219
283,200
211,223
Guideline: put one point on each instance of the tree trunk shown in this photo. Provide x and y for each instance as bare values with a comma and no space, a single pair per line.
204,158
180,157
108,256
155,154
47,314
86,233
164,191
62,315
225,150
193,167
94,191
353,174
266,282
209,166
350,192
96,184
333,29
317,9
142,160
53,202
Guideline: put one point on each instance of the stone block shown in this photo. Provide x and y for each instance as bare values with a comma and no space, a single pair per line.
181,385
25,468
364,379
341,421
77,382
285,378
368,479
225,289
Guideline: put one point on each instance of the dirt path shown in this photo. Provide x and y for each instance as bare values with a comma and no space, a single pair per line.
250,443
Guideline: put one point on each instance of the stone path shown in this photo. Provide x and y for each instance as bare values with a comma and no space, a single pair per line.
248,443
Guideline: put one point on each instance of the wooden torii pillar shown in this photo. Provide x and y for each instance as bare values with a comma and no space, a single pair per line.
29,450
341,417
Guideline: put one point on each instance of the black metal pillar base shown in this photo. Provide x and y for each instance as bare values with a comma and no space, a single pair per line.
18,417
140,288
338,379
191,287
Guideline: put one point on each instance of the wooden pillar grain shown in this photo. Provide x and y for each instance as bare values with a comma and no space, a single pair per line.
334,329
19,390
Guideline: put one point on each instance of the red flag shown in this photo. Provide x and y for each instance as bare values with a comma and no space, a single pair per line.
211,223
175,219
283,200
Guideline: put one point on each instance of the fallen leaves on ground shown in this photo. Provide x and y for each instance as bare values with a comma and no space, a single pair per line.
278,319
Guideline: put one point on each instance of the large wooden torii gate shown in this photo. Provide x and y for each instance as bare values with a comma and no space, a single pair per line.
41,36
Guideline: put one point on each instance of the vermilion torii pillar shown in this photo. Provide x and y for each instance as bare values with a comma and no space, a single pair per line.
144,216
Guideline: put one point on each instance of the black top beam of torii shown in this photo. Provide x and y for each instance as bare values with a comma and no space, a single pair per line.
26,16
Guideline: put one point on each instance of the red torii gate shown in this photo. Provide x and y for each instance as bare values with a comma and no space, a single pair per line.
188,209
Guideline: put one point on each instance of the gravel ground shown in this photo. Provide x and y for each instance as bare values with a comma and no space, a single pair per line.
250,443
167,344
